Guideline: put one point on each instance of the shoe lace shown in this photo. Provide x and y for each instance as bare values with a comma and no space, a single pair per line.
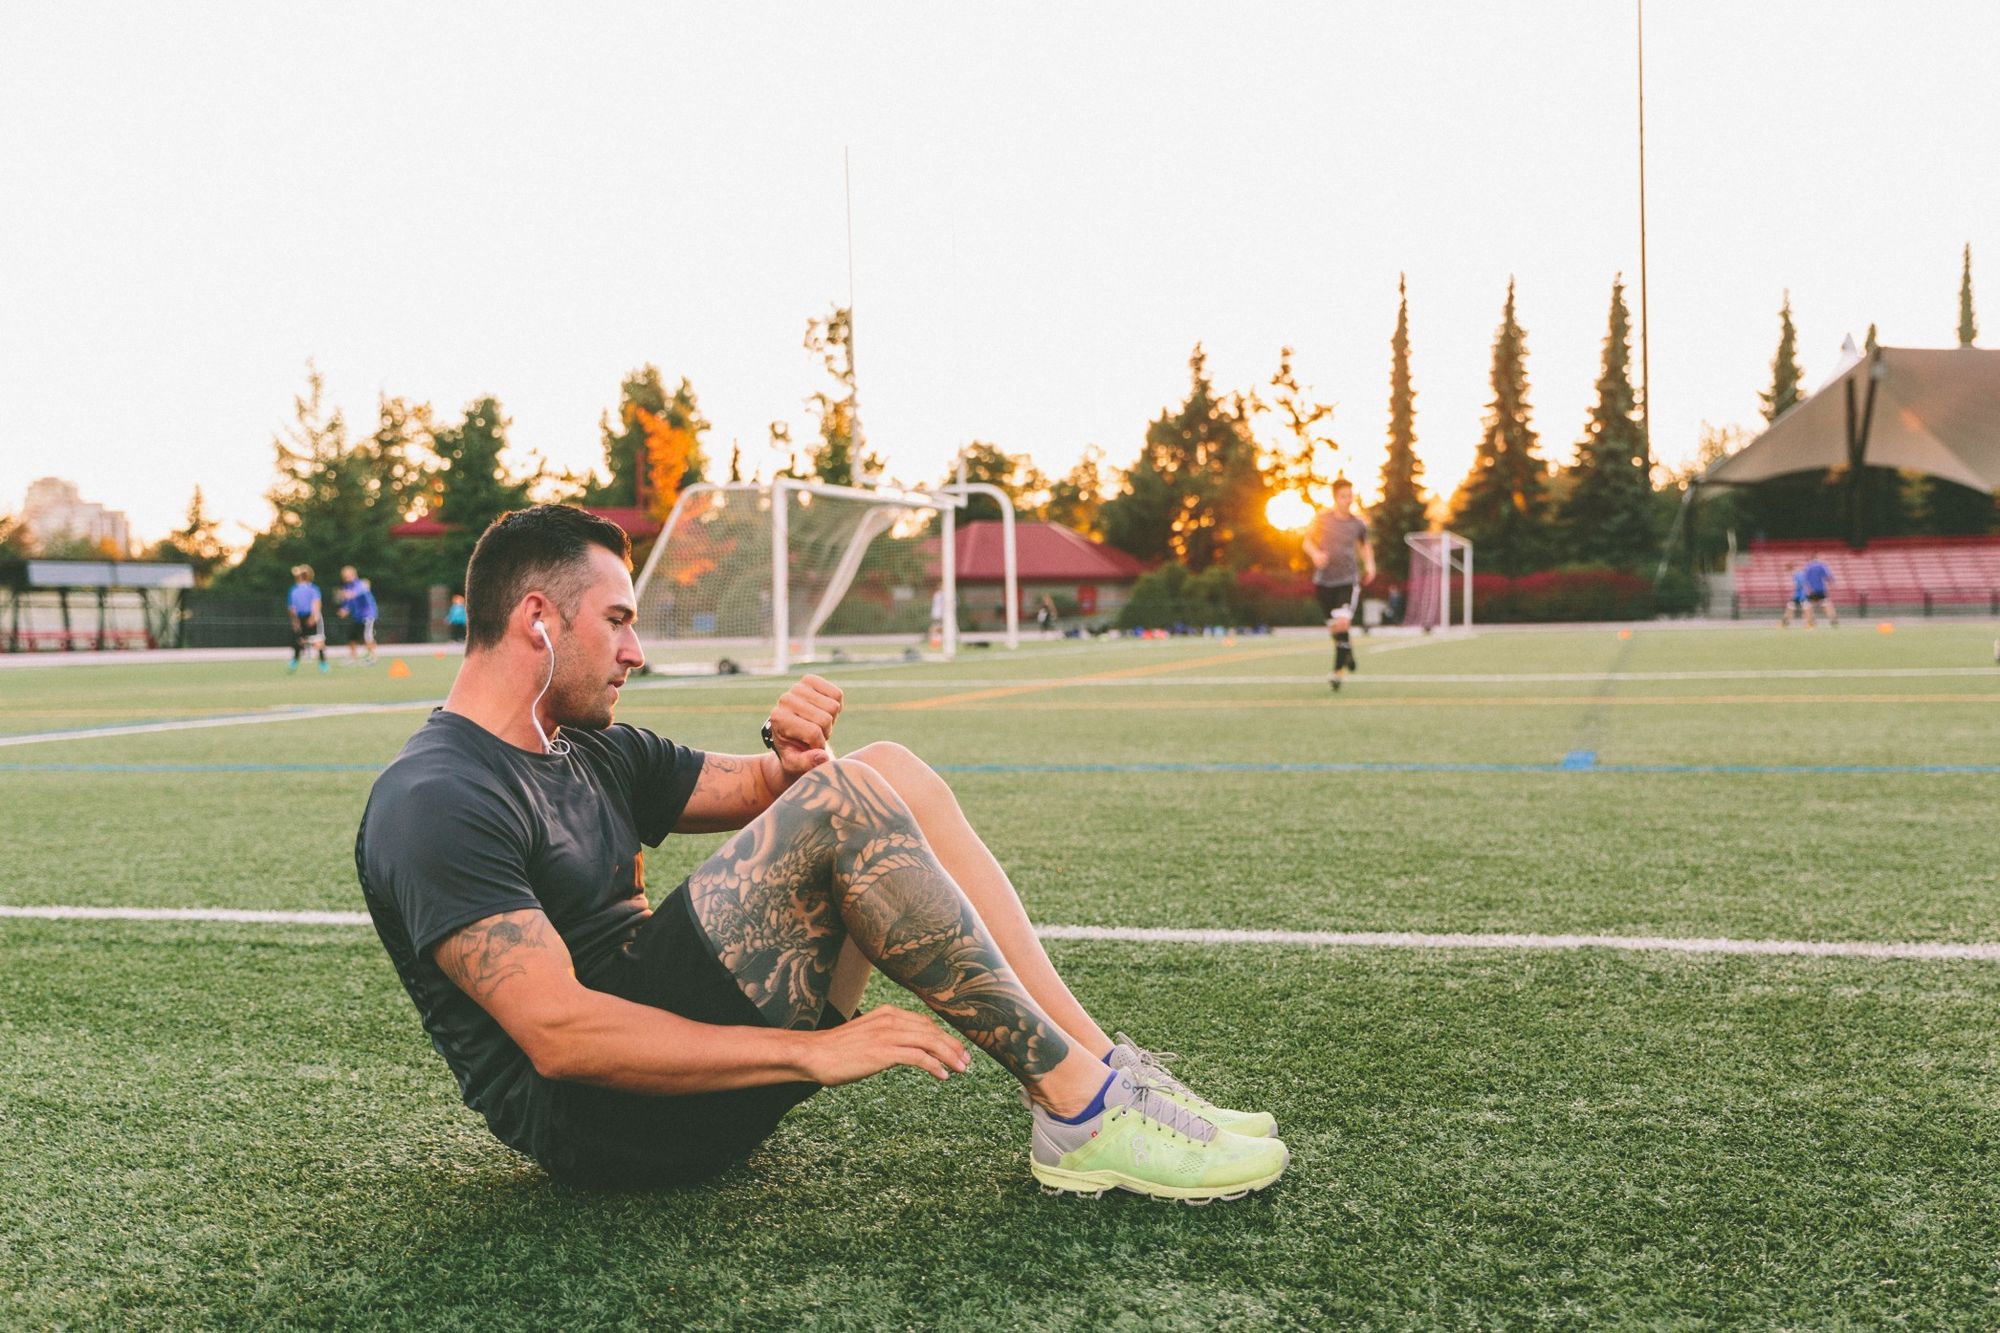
1153,1065
1150,1099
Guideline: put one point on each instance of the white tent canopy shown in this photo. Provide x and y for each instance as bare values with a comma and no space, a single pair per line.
1934,411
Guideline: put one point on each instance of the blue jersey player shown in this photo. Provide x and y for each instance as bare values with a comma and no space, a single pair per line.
308,619
357,607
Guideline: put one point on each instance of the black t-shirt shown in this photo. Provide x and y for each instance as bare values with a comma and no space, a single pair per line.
464,826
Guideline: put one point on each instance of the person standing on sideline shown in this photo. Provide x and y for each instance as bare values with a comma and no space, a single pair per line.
308,624
1045,615
1343,560
454,618
1818,581
357,608
1797,605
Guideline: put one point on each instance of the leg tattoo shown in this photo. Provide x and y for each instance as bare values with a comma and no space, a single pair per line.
841,856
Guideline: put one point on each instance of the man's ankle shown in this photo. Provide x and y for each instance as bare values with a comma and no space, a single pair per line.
1067,1092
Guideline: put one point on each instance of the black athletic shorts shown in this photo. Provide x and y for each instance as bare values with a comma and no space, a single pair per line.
1815,597
605,1139
309,629
1334,596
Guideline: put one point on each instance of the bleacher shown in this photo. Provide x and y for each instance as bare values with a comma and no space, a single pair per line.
1926,575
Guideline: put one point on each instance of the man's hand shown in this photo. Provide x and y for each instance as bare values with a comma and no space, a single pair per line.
882,1039
802,726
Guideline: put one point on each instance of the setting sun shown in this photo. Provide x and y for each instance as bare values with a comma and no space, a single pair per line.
1288,511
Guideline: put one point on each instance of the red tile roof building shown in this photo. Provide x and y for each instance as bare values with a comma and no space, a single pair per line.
1084,578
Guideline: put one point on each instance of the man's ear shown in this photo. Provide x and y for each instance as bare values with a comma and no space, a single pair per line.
532,608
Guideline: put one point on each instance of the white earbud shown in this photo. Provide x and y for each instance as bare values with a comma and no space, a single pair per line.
558,745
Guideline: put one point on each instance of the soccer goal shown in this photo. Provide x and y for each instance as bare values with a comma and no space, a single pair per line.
1434,557
762,577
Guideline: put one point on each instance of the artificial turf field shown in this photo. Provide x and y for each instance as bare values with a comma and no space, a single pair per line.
221,1123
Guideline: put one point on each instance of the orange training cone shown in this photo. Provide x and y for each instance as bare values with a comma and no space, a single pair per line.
399,670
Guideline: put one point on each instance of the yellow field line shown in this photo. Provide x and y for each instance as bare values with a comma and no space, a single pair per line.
977,702
1126,673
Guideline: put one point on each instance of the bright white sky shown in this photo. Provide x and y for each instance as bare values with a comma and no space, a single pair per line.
1052,205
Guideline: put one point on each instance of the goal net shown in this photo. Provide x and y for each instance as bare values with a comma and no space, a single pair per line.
762,578
1440,572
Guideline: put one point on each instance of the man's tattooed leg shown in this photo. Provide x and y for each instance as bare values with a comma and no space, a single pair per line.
838,856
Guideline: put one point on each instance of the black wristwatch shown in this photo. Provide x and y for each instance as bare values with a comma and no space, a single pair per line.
769,744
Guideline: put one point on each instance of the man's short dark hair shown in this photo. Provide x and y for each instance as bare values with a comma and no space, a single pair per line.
544,549
1342,484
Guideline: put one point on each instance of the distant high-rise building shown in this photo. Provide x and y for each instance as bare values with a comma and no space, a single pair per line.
54,511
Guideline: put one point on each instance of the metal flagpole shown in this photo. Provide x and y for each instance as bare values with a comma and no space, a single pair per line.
1645,303
854,391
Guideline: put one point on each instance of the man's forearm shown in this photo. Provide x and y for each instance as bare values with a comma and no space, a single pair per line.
615,1043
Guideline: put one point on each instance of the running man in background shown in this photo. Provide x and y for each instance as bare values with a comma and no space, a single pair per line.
454,618
1818,581
308,624
357,607
1797,605
1343,560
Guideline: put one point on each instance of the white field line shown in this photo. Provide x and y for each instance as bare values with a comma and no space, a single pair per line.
227,720
1380,678
1918,951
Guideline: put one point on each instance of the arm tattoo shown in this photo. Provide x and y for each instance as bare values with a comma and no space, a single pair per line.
487,954
732,782
840,857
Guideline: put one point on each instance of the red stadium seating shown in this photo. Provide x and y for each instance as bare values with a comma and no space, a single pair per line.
1905,573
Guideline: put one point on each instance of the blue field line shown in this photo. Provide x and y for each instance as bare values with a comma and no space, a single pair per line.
1579,761
1575,762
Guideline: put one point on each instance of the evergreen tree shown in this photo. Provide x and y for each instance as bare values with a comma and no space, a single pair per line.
336,499
1968,327
1403,508
1196,492
1502,505
1607,517
1871,342
475,487
1785,371
196,543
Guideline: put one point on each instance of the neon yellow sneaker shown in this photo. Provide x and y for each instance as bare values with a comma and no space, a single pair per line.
1152,1067
1145,1142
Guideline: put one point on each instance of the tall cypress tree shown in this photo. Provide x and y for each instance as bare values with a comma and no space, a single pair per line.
1607,517
1968,327
1502,505
1785,373
1404,508
1802,504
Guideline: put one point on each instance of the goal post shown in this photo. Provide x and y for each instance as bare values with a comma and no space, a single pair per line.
1434,556
764,576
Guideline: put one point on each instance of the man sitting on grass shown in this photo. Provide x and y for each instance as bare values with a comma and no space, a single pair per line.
622,1045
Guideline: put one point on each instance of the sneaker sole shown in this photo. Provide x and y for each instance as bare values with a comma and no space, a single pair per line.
1054,1180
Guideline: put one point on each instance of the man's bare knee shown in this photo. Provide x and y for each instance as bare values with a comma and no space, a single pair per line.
853,789
913,779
